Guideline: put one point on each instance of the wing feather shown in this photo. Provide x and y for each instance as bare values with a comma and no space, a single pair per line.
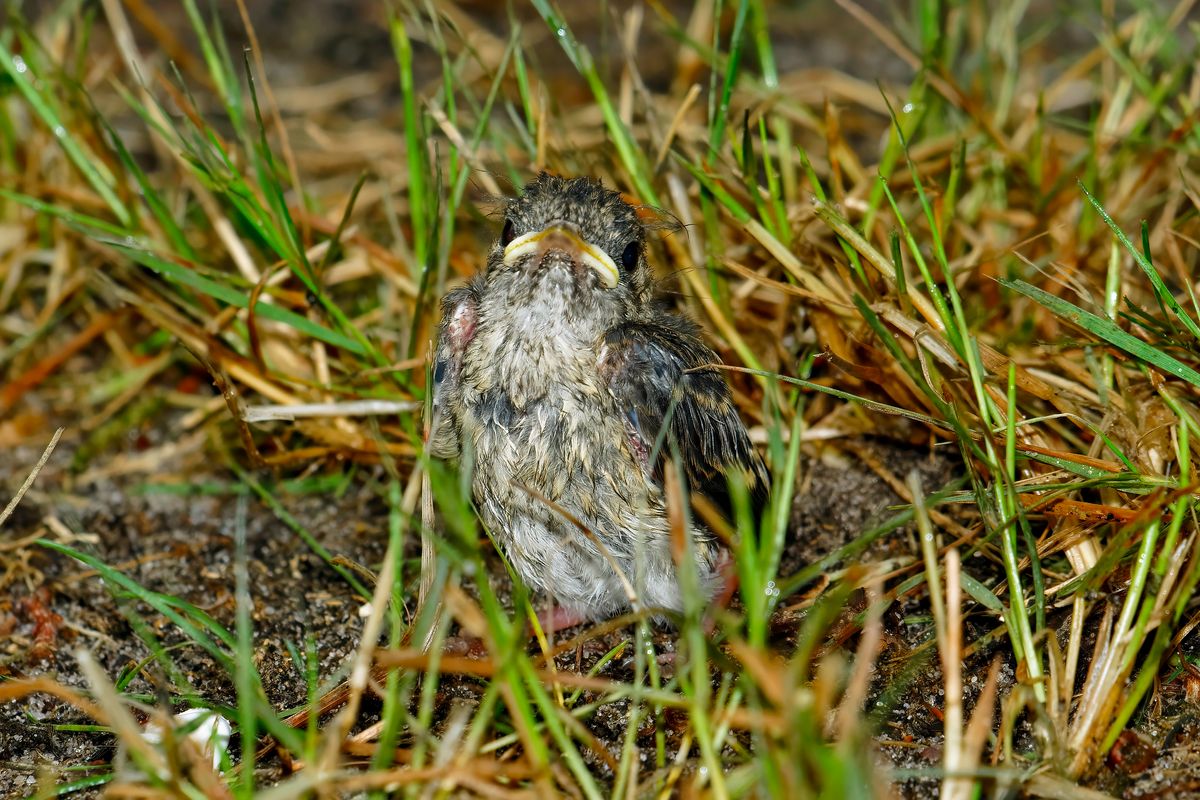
663,379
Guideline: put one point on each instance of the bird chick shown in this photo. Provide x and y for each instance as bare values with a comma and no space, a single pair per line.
557,371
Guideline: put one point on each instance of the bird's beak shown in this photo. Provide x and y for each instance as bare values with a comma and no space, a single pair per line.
558,236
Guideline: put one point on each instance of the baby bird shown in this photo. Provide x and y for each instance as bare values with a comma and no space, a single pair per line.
565,381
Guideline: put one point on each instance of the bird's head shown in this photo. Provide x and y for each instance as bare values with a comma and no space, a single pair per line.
573,230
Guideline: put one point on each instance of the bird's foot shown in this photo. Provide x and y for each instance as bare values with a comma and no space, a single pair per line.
464,644
727,580
559,618
727,586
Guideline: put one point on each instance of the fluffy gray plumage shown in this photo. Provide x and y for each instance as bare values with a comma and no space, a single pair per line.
558,387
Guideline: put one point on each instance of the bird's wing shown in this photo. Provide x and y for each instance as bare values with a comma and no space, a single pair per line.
660,374
460,312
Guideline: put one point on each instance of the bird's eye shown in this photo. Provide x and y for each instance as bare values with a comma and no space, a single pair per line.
629,257
508,234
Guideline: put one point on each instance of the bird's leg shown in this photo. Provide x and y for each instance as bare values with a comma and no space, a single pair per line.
559,618
727,586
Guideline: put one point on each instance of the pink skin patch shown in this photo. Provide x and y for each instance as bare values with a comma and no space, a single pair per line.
557,618
726,571
461,329
637,446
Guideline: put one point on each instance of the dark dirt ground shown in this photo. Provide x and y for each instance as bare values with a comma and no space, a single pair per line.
183,544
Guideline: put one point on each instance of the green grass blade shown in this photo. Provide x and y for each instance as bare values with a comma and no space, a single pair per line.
728,79
1106,330
631,154
201,628
244,670
22,76
1161,291
83,222
227,294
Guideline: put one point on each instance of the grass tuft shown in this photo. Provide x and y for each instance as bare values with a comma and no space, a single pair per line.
900,258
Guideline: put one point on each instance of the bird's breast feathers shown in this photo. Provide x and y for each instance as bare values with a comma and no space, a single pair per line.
537,409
